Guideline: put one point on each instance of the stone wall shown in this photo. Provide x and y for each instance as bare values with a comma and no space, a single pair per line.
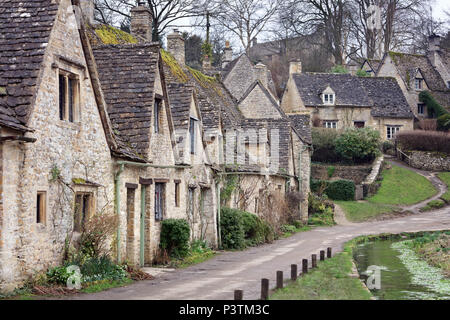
429,161
356,174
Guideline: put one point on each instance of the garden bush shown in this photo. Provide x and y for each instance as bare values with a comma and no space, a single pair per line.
174,237
324,145
443,122
420,140
232,229
358,145
387,146
254,231
341,190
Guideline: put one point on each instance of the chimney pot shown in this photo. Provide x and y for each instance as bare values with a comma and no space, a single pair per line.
295,67
227,55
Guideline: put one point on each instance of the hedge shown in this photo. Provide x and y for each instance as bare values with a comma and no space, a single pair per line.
358,145
174,238
443,122
335,190
419,140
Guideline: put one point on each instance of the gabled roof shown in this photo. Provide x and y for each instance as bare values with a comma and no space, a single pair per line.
25,28
387,96
374,64
127,75
265,91
180,98
407,63
348,89
302,124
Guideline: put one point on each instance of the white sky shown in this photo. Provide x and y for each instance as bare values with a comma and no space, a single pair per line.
439,7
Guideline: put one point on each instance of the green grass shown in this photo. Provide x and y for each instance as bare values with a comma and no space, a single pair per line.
330,281
192,259
295,230
445,177
361,211
401,186
433,205
102,285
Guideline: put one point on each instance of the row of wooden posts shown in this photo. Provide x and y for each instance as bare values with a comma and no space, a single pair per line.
239,294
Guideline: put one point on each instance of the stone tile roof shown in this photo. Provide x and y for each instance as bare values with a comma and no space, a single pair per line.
387,97
127,75
302,124
180,97
348,89
383,95
25,27
407,64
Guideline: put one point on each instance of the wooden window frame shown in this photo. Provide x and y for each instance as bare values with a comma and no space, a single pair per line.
328,98
177,193
69,98
41,207
161,198
79,226
333,124
418,83
191,203
391,130
421,107
193,134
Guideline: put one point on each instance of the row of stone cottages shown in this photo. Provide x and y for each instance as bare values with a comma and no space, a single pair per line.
89,128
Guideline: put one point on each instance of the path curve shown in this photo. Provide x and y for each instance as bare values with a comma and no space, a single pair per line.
219,277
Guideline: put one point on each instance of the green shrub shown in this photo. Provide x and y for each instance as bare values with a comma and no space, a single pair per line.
443,122
175,237
358,145
338,69
102,268
287,228
232,229
387,146
325,218
58,275
434,108
323,141
341,190
254,231
330,171
317,185
362,73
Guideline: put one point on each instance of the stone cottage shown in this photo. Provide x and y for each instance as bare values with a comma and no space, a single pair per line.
339,101
415,73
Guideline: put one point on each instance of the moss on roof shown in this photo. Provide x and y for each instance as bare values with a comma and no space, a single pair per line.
111,35
175,68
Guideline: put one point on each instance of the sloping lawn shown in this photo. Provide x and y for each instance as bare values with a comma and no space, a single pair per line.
330,281
399,187
445,177
361,211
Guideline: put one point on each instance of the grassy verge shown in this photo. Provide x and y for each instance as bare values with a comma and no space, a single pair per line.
192,259
445,177
102,285
399,187
330,281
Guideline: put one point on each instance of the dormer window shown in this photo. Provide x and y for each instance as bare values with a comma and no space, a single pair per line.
328,98
418,84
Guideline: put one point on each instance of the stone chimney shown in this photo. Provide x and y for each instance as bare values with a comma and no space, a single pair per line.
141,23
434,45
227,55
295,67
87,9
206,64
261,72
175,45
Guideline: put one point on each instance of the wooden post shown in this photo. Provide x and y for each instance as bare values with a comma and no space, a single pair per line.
328,252
238,295
264,289
322,255
314,260
305,266
293,272
279,279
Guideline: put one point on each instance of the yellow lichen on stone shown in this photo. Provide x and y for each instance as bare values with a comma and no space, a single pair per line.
175,68
204,80
111,35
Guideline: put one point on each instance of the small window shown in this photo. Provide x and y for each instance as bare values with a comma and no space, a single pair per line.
421,108
68,96
83,208
177,194
192,131
191,192
418,84
330,124
328,98
41,207
391,131
359,124
157,115
159,201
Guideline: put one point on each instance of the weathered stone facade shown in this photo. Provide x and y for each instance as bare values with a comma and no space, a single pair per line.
357,174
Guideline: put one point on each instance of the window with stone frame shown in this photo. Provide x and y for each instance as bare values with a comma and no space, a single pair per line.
177,193
391,131
330,124
157,114
69,96
41,207
421,108
191,194
192,134
418,84
83,210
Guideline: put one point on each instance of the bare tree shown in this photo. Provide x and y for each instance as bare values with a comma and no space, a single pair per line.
165,13
245,19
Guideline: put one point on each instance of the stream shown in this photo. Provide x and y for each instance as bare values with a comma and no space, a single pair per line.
403,275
